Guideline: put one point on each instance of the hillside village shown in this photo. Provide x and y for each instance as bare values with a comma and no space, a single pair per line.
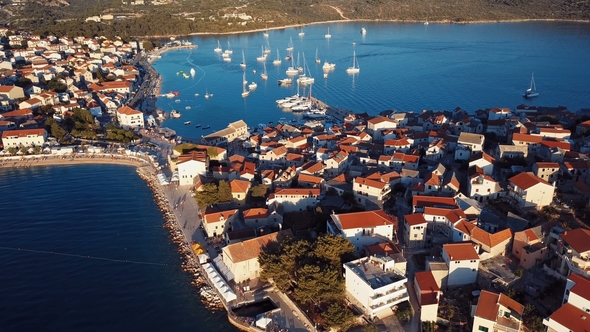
468,217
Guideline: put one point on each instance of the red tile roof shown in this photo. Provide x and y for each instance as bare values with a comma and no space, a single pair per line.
460,251
415,219
527,180
255,213
578,239
426,282
572,318
423,201
364,219
581,287
128,111
23,133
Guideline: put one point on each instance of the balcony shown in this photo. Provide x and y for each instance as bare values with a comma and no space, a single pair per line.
507,324
391,302
391,291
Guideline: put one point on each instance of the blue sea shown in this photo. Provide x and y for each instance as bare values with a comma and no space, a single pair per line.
59,216
407,67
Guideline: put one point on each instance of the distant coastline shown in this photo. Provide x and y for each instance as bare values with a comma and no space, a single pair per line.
367,20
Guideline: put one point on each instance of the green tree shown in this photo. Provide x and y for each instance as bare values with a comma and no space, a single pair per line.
333,248
319,284
373,328
338,317
259,190
148,46
274,270
404,312
12,150
224,191
208,196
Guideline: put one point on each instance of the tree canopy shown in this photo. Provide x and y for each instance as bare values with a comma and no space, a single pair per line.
207,196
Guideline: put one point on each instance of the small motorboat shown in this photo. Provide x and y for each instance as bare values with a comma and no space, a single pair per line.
206,127
198,126
187,123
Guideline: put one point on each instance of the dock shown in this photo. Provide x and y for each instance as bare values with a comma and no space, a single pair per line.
337,113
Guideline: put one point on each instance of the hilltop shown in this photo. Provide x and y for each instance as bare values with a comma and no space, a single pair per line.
178,17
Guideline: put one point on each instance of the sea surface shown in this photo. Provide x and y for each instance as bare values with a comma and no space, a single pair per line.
58,216
403,66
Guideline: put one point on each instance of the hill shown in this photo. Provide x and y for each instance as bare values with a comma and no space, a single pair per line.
177,17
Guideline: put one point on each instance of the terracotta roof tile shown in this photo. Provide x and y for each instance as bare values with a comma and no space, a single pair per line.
415,219
460,251
364,219
578,239
572,318
526,180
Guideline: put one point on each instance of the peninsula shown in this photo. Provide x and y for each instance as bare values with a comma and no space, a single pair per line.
418,219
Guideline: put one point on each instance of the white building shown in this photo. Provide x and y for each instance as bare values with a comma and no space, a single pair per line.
362,228
375,285
463,263
190,165
295,199
24,137
130,118
468,144
428,294
530,190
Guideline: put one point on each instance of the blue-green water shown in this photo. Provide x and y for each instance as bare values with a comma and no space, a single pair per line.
99,211
408,67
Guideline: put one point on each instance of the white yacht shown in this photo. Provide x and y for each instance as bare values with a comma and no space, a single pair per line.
263,56
532,90
245,93
328,35
277,61
363,31
286,81
252,86
243,63
328,66
218,48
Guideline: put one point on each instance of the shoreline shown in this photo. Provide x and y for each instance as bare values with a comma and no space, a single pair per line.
369,20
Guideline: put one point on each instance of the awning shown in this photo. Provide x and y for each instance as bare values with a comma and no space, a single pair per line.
227,274
219,284
163,180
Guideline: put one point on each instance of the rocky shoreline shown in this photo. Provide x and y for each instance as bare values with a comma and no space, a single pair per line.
190,264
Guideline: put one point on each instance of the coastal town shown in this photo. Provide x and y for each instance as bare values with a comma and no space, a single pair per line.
435,220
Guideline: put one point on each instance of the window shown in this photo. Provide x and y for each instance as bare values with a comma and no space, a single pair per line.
483,328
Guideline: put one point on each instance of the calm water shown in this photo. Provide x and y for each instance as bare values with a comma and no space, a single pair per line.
91,210
403,66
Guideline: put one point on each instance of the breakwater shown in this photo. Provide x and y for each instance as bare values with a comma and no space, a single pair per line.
190,263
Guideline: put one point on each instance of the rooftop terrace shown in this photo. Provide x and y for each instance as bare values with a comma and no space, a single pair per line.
372,270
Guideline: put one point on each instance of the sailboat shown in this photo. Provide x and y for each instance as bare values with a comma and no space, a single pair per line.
229,50
243,64
193,72
207,94
277,62
304,79
218,48
355,66
245,93
290,47
328,35
292,71
264,75
301,33
299,68
317,60
263,56
532,91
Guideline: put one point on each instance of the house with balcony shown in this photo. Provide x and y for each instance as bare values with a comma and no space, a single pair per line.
24,137
369,189
428,294
463,263
130,118
530,191
572,249
481,187
375,285
497,313
363,228
529,247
